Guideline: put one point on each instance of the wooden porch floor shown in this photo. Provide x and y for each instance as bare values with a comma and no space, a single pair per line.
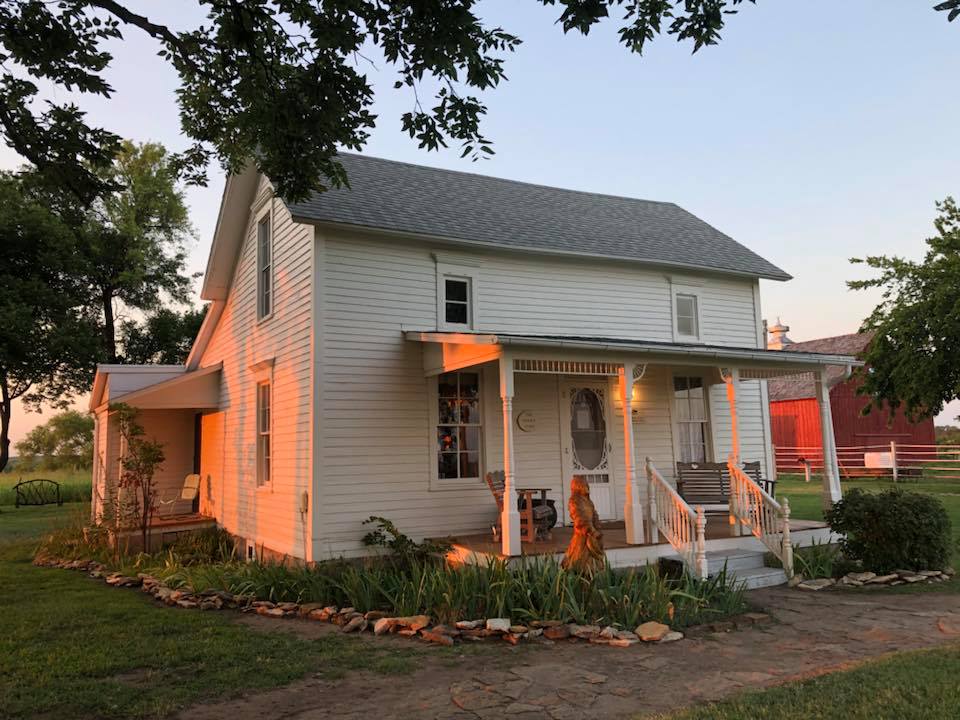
614,537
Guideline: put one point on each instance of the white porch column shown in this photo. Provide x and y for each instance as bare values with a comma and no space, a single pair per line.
732,380
831,468
510,518
632,511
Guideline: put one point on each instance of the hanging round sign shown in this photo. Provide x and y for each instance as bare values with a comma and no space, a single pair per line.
527,421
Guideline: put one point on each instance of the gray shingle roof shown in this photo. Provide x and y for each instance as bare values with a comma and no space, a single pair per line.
802,386
482,210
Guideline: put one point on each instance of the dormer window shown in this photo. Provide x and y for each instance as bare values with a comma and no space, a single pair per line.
687,325
457,296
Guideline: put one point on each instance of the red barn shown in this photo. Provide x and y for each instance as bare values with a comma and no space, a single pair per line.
795,418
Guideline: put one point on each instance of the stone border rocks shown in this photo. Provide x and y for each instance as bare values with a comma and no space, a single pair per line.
379,623
873,580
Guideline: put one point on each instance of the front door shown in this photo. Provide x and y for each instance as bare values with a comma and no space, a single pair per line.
586,444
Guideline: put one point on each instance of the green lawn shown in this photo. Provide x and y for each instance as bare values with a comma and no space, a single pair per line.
73,647
805,502
74,484
907,686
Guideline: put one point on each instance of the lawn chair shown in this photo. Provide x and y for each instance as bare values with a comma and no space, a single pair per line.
535,519
189,493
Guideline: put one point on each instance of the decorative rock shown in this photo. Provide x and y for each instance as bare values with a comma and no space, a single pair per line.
930,573
817,584
214,603
307,608
652,631
847,581
289,606
897,582
949,571
609,632
414,622
557,632
384,625
672,636
499,625
519,629
512,638
912,578
584,632
534,632
860,577
262,604
469,624
357,623
882,579
723,626
374,615
438,638
795,580
186,604
273,612
347,611
444,630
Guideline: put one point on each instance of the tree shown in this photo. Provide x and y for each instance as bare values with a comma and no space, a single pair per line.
279,82
66,440
164,337
134,237
141,459
47,337
914,357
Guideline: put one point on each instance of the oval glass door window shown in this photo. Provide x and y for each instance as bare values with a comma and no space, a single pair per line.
588,429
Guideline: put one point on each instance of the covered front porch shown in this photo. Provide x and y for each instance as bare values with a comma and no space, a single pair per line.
169,403
624,413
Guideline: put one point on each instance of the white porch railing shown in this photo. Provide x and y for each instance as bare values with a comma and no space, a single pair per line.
765,518
682,526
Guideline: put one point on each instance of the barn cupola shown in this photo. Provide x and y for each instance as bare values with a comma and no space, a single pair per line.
778,336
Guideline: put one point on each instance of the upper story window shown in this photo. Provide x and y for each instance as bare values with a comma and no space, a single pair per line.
457,286
456,301
686,314
264,268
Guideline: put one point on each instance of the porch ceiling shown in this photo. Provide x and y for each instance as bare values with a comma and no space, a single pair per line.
752,362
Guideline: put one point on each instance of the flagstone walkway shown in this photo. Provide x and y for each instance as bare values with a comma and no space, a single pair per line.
811,633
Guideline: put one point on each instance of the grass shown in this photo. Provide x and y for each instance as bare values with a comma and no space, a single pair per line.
74,484
74,647
907,686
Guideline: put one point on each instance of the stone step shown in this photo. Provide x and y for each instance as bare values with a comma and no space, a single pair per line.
734,560
754,578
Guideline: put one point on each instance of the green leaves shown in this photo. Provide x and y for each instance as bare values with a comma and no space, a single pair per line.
914,357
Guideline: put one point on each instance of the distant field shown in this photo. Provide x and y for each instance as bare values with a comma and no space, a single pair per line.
74,484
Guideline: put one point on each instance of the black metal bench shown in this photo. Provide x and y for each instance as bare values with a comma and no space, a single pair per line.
39,491
708,484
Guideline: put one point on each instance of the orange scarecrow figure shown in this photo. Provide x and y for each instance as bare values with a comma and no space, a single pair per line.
585,552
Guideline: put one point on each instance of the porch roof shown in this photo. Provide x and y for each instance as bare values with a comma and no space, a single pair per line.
757,363
153,387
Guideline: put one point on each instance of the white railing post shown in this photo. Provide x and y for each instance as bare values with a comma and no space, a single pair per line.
510,518
893,459
787,544
702,569
651,527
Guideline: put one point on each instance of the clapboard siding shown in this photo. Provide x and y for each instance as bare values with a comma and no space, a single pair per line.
270,515
373,419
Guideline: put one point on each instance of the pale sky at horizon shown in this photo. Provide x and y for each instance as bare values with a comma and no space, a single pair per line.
814,132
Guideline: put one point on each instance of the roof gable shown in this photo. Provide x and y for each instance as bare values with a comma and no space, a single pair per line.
487,211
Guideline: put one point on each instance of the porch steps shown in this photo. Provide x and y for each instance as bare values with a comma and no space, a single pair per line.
746,566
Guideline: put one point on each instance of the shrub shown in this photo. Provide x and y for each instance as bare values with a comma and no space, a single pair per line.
893,529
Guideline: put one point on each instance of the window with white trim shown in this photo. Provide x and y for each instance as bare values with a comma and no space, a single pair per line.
693,428
687,313
459,427
456,301
264,268
263,433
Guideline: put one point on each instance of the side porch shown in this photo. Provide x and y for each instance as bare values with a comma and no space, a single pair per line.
626,413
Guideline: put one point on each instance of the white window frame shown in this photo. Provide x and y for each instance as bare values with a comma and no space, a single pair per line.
697,294
262,375
433,397
266,215
471,274
708,439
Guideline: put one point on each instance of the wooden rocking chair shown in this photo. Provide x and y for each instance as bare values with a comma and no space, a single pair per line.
534,519
188,493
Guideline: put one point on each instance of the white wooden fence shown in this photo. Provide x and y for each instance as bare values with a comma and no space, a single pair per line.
893,460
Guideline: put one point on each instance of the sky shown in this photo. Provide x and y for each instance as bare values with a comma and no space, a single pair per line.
814,132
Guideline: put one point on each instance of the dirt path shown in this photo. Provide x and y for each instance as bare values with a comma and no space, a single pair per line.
811,633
